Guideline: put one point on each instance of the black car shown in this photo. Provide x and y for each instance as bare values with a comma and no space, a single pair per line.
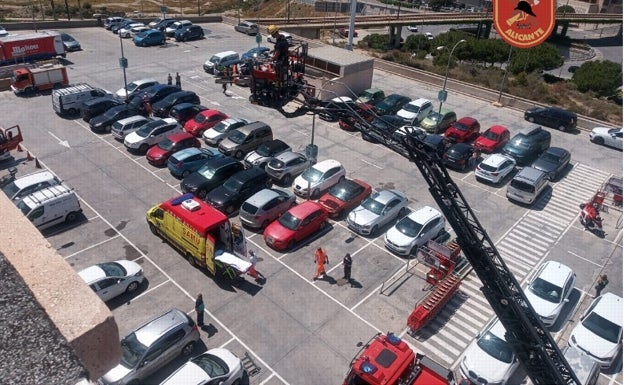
162,107
527,145
164,23
391,104
190,32
381,128
98,106
228,197
103,122
553,161
116,27
460,156
337,108
210,176
553,117
185,111
154,94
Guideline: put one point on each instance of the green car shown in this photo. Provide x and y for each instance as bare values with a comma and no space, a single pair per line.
438,122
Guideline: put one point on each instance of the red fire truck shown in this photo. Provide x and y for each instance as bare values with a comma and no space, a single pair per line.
30,47
386,359
46,77
10,138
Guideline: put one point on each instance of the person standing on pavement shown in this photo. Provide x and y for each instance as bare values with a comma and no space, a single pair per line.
169,79
320,258
253,259
199,309
346,264
178,81
602,283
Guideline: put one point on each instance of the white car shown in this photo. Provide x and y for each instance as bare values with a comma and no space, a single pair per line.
111,279
151,133
216,366
134,87
137,30
599,331
495,168
126,31
412,28
319,178
414,230
3,32
489,359
429,35
376,211
548,291
416,110
213,136
611,137
288,37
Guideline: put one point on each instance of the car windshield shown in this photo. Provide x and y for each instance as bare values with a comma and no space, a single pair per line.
312,175
486,167
143,34
237,137
409,227
111,113
200,118
233,185
112,269
264,150
220,127
520,144
212,365
289,221
131,351
144,131
10,189
411,108
491,135
434,116
170,98
166,144
550,158
602,327
206,171
23,207
345,192
460,126
546,290
495,347
132,86
214,59
373,206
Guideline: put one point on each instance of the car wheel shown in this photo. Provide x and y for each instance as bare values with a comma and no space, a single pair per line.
287,179
143,148
153,229
598,140
229,210
72,111
374,230
562,128
238,154
71,217
264,224
185,173
187,350
236,382
200,133
201,194
315,194
132,287
342,178
190,259
531,119
291,245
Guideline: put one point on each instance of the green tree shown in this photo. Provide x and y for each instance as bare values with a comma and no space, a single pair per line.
374,41
601,77
565,9
415,43
544,57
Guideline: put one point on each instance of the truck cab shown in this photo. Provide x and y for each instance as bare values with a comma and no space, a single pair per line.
10,138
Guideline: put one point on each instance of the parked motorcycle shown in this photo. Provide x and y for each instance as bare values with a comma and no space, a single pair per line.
10,177
590,218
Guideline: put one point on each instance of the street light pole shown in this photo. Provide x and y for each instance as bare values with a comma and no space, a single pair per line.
123,62
500,92
442,94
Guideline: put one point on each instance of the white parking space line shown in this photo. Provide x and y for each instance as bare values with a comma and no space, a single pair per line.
92,246
151,289
372,164
584,259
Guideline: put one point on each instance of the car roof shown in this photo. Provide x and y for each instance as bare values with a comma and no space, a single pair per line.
151,331
178,136
288,156
467,120
384,196
610,308
424,214
460,147
327,164
187,152
275,143
262,196
419,102
132,119
496,159
498,129
557,151
555,272
34,178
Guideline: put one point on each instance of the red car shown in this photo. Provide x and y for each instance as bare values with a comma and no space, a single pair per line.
365,111
492,139
159,154
344,196
463,130
294,225
203,121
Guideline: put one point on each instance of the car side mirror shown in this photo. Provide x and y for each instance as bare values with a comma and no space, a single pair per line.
144,363
566,300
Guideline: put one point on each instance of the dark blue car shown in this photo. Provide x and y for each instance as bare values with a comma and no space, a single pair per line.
186,161
256,53
190,32
148,38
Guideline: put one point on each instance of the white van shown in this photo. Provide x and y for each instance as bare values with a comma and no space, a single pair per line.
527,185
68,101
30,183
221,59
51,206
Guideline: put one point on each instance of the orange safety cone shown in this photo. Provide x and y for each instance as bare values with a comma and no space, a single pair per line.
28,156
19,148
37,165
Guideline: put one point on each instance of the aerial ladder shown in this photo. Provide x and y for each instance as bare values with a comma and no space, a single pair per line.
526,334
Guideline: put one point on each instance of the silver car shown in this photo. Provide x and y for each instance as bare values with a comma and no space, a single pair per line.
213,136
152,346
247,27
265,206
376,211
285,167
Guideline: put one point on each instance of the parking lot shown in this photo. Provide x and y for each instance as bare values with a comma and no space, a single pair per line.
296,330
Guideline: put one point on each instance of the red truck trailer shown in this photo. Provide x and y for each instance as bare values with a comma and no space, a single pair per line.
41,78
31,46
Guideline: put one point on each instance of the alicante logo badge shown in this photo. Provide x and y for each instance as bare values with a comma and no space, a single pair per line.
524,23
